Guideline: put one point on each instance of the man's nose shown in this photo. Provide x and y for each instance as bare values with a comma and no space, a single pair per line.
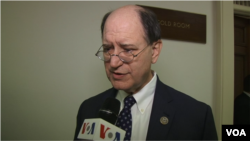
115,61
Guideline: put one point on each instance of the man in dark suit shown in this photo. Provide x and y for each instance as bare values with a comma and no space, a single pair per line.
242,104
131,43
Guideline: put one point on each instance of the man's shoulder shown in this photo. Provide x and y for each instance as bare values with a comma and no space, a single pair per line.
181,99
184,108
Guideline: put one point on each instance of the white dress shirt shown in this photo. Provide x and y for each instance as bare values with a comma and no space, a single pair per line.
141,110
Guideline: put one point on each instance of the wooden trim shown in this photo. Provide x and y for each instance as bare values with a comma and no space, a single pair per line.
239,50
241,10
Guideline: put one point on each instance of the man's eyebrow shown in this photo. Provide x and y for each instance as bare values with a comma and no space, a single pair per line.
121,45
106,45
126,45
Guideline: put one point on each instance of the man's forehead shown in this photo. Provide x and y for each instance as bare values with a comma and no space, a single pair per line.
124,22
122,18
127,8
128,12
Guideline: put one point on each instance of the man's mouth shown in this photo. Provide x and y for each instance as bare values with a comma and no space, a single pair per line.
118,75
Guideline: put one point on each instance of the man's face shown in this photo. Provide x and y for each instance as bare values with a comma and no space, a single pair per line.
123,31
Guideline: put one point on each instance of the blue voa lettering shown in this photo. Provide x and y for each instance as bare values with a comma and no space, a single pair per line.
117,137
92,128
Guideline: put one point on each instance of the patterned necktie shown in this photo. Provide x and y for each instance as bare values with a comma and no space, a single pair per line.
125,118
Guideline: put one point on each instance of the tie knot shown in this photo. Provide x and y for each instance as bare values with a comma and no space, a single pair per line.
129,101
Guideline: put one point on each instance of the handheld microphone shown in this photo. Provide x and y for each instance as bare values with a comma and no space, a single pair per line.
110,110
103,128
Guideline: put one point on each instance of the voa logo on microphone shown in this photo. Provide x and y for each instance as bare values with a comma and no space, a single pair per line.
98,129
110,135
88,128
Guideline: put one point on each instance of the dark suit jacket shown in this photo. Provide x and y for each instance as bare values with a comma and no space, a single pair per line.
189,119
242,109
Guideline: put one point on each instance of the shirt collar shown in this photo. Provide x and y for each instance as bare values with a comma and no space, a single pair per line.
142,97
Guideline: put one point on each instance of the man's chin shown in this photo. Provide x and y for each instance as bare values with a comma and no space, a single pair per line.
120,85
124,86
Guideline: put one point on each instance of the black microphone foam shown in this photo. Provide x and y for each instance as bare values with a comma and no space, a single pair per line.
110,110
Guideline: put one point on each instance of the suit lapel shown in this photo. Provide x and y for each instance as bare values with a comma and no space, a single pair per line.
162,107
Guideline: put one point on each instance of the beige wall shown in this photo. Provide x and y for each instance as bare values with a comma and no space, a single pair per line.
49,67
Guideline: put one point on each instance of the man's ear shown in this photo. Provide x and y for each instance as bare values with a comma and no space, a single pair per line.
156,49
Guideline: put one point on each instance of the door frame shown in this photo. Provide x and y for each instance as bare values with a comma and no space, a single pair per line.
224,104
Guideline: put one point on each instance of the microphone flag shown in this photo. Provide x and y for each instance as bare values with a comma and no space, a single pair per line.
99,129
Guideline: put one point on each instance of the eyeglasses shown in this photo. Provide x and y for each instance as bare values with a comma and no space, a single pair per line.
124,56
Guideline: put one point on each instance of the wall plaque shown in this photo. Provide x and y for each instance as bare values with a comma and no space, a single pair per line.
181,26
